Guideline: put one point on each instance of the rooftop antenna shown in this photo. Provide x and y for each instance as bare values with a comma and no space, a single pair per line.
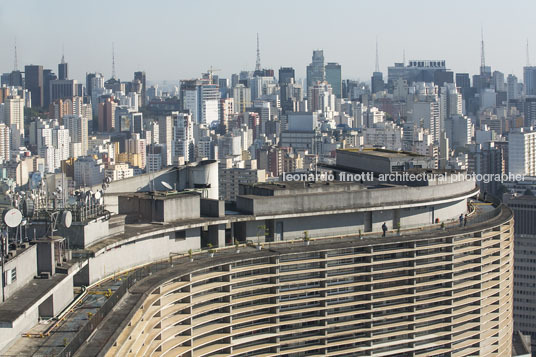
528,57
482,52
113,60
63,53
258,63
15,60
377,68
404,56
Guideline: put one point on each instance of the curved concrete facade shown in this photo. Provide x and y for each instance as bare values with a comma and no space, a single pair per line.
434,293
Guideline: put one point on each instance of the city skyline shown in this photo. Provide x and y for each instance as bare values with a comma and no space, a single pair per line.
345,33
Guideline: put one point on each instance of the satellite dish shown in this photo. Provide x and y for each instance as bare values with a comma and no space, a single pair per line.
167,185
12,217
66,219
108,179
97,195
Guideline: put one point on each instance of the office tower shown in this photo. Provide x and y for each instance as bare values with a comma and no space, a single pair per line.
316,70
286,75
140,76
12,79
63,88
416,71
33,81
106,114
223,84
376,82
78,130
529,79
63,72
48,76
463,80
89,83
498,81
522,152
201,99
334,78
241,97
513,91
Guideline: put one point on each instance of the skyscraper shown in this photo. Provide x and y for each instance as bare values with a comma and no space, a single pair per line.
201,99
316,71
286,75
140,76
33,76
529,78
48,76
334,78
63,72
376,82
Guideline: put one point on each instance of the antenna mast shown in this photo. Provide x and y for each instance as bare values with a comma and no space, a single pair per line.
258,63
113,60
528,57
482,52
377,68
15,60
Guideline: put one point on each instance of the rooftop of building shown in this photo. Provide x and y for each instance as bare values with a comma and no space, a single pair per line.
162,195
117,319
383,153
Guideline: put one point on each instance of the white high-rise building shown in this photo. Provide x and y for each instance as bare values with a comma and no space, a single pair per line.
78,130
61,141
522,152
5,142
12,114
44,136
183,137
165,126
51,157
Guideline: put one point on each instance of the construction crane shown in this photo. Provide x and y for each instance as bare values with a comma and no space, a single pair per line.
210,72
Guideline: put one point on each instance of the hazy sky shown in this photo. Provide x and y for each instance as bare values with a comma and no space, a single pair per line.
180,39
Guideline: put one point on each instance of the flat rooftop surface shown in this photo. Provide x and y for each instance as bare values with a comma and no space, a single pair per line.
384,153
17,304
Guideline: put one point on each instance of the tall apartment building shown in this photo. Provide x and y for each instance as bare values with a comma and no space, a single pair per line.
522,152
524,208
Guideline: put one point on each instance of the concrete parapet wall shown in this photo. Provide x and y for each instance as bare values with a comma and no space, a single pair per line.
369,198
